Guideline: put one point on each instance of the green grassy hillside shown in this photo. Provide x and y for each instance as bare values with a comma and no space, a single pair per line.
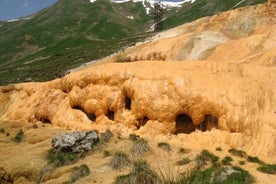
72,32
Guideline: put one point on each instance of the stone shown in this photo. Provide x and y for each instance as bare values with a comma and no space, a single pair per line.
75,142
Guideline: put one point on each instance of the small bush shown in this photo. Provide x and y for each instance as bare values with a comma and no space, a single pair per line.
184,161
2,131
119,160
59,158
164,146
183,150
205,156
226,160
106,153
218,149
254,160
238,153
268,168
7,134
218,175
106,135
35,126
242,162
19,136
140,146
122,58
79,172
140,174
133,137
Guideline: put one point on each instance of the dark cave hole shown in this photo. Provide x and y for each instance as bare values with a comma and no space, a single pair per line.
142,122
77,107
46,121
209,122
110,115
128,103
184,124
92,117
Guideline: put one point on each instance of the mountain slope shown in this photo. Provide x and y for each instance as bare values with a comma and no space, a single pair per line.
73,32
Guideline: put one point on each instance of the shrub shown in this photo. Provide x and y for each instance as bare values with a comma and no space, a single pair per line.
205,156
238,153
59,158
141,174
7,134
79,172
2,131
133,137
106,135
183,150
254,160
164,146
140,146
35,126
121,58
226,160
119,160
19,136
242,162
218,149
184,161
218,175
267,168
106,153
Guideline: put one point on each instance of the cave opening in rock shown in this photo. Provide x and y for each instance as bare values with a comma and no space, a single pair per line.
209,122
110,115
46,121
77,108
142,122
92,117
128,103
184,124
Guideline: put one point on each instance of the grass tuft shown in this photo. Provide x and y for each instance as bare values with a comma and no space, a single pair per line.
164,146
226,160
140,146
19,136
267,168
254,160
184,161
119,160
107,135
141,174
237,153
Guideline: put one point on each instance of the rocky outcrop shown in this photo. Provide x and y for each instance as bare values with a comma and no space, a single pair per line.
226,83
76,142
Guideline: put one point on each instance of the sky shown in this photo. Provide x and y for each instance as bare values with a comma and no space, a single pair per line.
13,9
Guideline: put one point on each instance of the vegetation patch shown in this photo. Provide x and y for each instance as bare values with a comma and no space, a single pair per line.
218,149
106,136
164,146
19,136
267,168
140,146
242,162
119,160
237,153
215,175
106,153
2,131
227,160
184,161
59,158
254,160
184,150
78,173
141,174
